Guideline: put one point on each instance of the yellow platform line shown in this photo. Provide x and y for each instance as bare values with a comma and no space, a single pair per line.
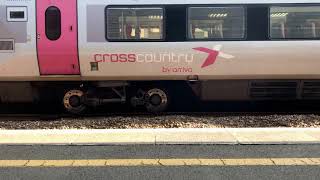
162,162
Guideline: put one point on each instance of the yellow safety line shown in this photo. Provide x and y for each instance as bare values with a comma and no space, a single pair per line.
162,162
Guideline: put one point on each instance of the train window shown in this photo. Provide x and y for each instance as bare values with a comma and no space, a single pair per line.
214,23
134,24
6,45
16,14
53,23
295,22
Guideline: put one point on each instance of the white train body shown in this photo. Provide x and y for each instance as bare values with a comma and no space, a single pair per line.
82,51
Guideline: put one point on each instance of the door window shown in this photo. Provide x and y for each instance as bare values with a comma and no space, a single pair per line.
53,23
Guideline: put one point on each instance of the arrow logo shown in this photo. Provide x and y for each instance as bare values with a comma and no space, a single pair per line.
213,55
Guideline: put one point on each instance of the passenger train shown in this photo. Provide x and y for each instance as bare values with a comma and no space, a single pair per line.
86,53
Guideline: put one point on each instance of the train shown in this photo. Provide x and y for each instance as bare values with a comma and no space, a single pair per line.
145,53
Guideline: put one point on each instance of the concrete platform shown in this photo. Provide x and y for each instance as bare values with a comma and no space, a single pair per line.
161,136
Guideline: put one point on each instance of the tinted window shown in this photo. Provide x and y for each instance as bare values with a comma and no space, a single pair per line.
295,22
134,23
17,14
53,23
216,23
6,45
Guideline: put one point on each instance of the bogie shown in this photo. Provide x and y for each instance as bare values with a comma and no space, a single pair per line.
73,101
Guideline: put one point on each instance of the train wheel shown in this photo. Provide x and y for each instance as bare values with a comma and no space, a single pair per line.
73,101
156,100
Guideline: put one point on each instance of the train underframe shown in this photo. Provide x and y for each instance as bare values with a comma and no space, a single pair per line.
155,96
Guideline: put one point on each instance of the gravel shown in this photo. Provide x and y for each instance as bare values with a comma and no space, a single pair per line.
165,121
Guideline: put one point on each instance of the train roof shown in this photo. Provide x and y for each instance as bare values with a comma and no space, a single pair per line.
137,2
197,1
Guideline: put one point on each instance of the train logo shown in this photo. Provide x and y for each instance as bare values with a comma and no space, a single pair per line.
213,55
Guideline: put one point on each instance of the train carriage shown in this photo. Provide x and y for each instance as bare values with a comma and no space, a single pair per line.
91,52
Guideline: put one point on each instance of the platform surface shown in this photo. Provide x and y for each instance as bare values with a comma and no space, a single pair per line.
139,162
162,136
160,154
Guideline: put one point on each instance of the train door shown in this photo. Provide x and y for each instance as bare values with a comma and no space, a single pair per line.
57,32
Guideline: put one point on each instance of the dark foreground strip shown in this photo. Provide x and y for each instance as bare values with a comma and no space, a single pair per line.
161,162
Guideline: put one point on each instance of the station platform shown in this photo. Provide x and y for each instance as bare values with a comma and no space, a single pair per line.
162,136
280,153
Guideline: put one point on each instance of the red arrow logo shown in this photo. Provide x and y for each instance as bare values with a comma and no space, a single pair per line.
211,59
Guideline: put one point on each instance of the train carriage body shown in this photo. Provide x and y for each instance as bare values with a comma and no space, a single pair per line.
220,50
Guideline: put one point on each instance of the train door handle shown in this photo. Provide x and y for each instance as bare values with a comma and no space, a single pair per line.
71,28
38,36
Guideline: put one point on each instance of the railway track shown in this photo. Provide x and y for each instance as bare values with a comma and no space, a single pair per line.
186,119
50,116
168,120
